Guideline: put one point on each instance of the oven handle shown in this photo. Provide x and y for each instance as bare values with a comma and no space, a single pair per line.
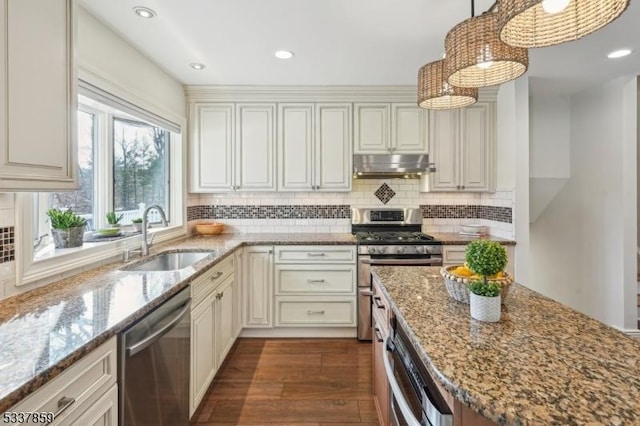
437,261
395,389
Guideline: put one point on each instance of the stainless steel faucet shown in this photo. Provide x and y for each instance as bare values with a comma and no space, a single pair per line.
144,250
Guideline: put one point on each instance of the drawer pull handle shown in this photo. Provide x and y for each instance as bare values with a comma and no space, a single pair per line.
216,276
379,335
315,281
220,295
376,301
316,254
315,312
63,403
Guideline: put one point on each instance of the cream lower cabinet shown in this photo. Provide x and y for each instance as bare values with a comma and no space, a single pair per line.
315,286
84,394
462,146
257,286
37,71
211,327
314,147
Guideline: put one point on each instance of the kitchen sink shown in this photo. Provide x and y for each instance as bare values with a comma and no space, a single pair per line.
168,261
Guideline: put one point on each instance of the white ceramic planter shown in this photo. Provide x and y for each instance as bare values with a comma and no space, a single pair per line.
484,308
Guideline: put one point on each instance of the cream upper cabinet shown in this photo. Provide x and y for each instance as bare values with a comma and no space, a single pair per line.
462,146
38,95
390,128
314,147
232,147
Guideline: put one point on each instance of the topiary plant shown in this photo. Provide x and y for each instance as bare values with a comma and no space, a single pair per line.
485,258
482,288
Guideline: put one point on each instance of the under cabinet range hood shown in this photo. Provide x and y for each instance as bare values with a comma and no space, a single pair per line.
405,166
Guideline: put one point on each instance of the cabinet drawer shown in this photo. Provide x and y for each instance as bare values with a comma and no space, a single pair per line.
316,312
211,279
77,388
315,254
291,279
453,255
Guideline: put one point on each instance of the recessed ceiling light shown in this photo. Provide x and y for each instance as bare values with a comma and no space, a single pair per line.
284,54
197,66
619,53
144,12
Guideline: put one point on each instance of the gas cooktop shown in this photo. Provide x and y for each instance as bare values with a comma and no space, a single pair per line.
396,238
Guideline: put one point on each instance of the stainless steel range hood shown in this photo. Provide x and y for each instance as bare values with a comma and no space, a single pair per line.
372,166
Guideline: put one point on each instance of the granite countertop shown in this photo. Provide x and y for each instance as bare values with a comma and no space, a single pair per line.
46,330
542,364
454,238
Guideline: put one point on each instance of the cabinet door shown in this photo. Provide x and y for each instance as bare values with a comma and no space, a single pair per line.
295,147
333,141
237,293
224,334
255,147
104,412
477,135
258,283
381,396
38,102
211,147
409,129
203,355
443,150
371,128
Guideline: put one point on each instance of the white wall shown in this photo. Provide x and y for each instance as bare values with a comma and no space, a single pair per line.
550,136
518,100
583,244
505,135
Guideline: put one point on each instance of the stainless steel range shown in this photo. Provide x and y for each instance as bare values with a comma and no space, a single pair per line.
388,237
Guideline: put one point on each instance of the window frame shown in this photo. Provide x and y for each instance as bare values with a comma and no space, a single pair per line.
74,260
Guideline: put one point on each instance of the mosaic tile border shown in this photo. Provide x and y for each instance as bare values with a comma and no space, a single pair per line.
7,244
447,211
340,211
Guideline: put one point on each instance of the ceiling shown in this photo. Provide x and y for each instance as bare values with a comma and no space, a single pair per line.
339,42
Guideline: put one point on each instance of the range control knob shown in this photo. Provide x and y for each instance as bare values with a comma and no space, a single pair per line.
401,250
371,250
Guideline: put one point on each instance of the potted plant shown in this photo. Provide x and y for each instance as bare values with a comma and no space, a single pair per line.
137,224
113,219
486,259
67,228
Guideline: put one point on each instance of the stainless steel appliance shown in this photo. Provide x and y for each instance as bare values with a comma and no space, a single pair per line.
388,236
391,165
415,398
154,366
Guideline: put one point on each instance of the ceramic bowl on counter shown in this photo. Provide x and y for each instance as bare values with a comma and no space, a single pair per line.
473,229
209,228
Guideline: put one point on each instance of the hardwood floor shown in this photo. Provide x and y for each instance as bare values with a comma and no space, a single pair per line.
310,382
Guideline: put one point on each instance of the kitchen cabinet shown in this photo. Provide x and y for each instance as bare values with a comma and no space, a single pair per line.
314,147
462,147
237,293
211,327
382,128
84,394
381,330
315,286
38,102
232,147
257,286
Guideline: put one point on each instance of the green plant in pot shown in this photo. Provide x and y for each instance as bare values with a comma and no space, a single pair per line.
137,224
113,219
485,258
67,228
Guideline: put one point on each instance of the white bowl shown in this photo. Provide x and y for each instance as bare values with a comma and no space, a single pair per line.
474,229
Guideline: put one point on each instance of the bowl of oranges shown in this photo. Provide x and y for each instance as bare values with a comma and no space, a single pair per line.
457,277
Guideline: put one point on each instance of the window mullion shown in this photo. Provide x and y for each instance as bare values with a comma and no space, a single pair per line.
104,170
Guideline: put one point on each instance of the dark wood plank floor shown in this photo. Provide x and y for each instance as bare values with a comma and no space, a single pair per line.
292,382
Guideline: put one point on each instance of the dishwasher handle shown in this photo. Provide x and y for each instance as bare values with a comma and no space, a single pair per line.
395,387
157,334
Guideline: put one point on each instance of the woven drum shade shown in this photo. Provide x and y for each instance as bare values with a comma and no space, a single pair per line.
435,93
474,41
525,23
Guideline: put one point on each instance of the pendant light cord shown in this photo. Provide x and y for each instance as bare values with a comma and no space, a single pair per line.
491,9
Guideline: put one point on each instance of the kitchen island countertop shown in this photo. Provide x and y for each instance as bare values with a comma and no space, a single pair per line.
542,364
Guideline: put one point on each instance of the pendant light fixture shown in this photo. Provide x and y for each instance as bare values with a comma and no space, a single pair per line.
540,23
475,55
434,92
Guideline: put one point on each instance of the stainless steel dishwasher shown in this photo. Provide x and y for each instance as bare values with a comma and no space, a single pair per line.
153,366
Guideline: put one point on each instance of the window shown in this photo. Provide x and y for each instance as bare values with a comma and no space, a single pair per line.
126,162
